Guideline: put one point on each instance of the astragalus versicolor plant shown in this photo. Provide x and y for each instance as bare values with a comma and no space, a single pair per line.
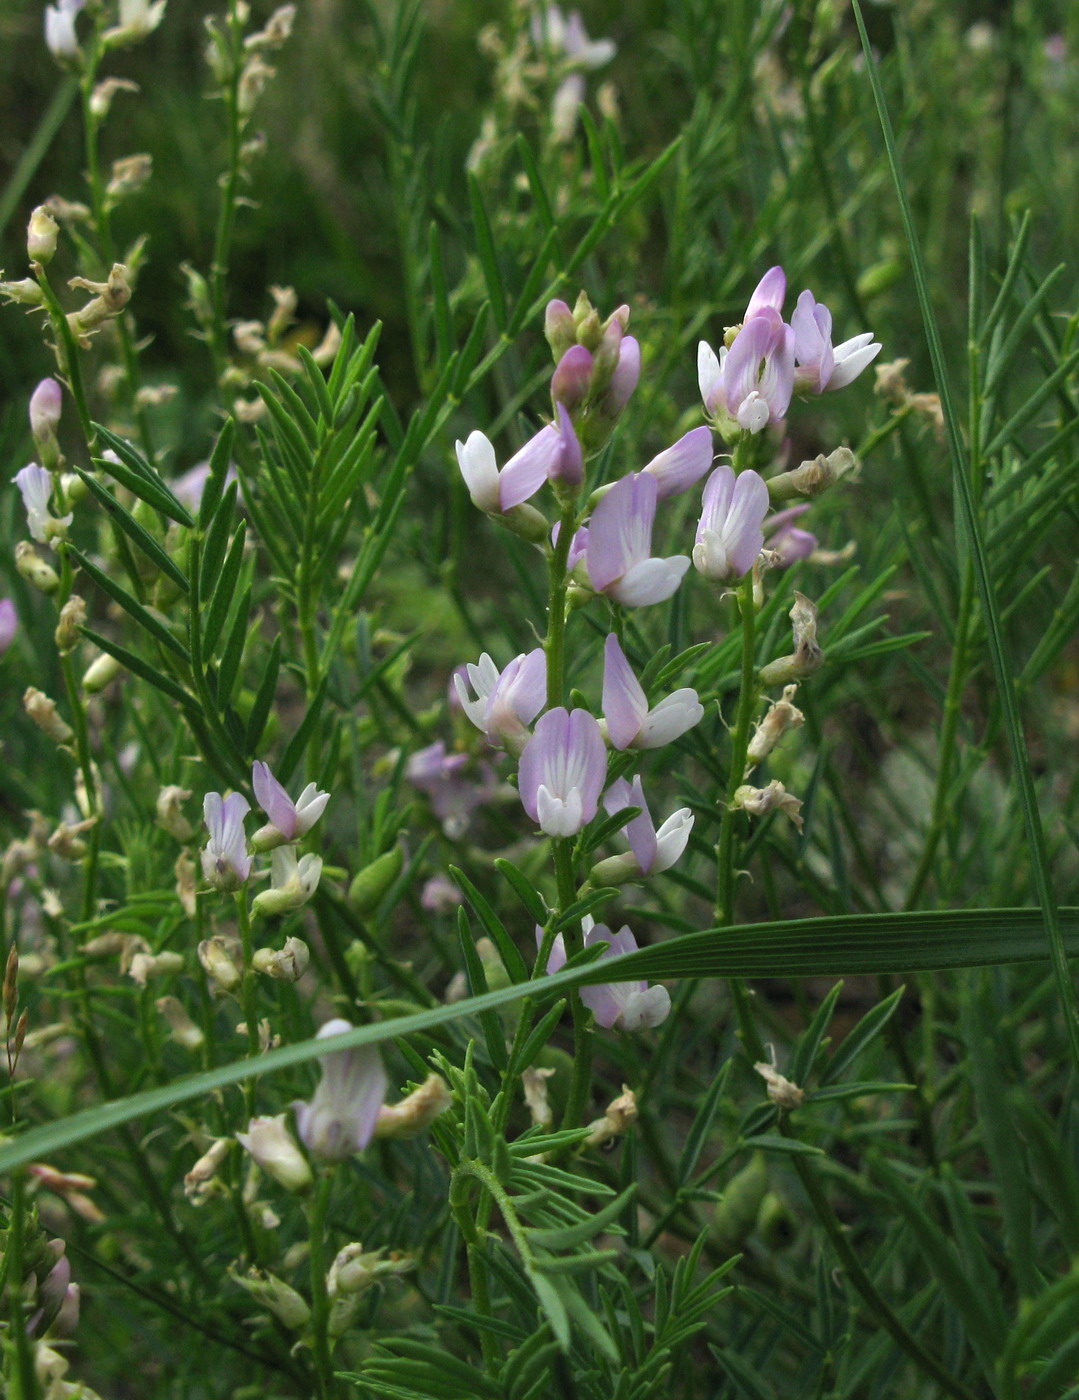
389,761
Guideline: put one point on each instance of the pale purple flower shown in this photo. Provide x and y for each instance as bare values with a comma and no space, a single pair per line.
225,862
578,546
340,1120
46,403
819,365
572,378
9,623
769,293
454,797
35,483
729,534
627,374
566,34
625,1006
274,1149
568,466
497,491
654,851
681,466
562,771
506,702
619,553
440,895
630,723
750,385
556,959
189,487
60,37
288,820
786,539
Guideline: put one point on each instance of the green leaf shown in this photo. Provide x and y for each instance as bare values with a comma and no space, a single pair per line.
524,890
860,1036
224,591
219,466
138,667
971,539
152,487
140,538
493,1033
146,619
514,964
264,698
840,946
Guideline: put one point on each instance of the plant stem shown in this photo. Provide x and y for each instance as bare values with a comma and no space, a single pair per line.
226,218
748,696
24,1357
249,1005
320,1301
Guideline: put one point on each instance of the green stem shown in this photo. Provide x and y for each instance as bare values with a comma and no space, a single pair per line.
320,1301
555,643
24,1356
248,991
726,878
226,217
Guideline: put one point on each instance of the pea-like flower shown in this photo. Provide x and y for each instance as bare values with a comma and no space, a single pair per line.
682,465
35,484
497,492
288,820
630,723
506,702
819,365
60,37
340,1120
650,851
625,1006
562,771
750,385
729,533
786,540
225,862
9,624
274,1149
292,881
619,550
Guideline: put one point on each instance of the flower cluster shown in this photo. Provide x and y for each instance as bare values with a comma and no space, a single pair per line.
569,769
765,361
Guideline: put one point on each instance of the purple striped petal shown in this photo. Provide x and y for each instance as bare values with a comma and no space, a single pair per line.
625,704
683,465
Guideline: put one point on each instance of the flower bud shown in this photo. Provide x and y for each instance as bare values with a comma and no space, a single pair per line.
288,965
25,292
34,569
811,478
197,1180
41,235
218,964
46,404
146,967
181,1027
274,1149
100,672
275,1295
416,1111
374,882
72,616
572,378
293,882
42,711
104,92
807,656
129,175
559,328
169,815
